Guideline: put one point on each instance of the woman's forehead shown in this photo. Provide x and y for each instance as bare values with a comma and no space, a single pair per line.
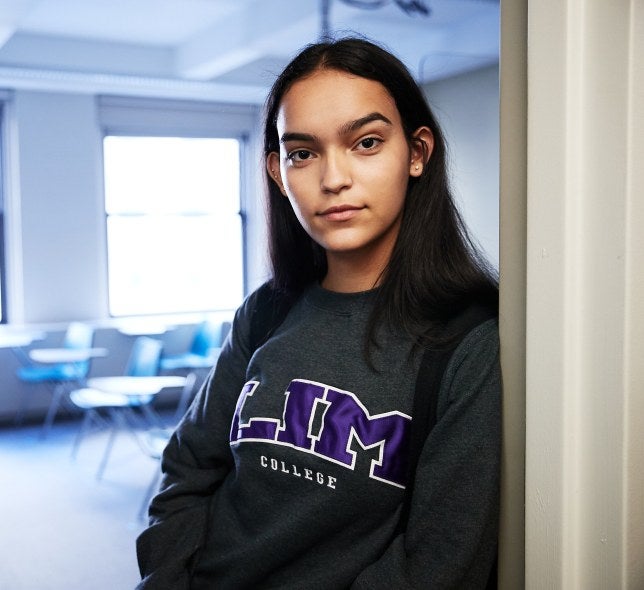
332,95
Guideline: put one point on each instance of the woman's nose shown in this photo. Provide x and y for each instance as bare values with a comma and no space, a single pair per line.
336,173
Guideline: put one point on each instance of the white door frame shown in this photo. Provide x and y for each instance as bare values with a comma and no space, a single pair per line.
572,234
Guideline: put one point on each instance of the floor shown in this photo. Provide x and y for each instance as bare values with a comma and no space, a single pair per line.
61,528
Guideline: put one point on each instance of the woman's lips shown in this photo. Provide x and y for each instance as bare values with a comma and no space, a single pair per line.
340,213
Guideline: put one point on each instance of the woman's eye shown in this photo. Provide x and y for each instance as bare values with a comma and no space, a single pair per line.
369,143
299,155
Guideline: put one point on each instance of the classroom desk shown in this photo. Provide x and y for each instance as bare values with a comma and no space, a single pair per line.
57,356
142,387
139,327
136,385
61,356
19,339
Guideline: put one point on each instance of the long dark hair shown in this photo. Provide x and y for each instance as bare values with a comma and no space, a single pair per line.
435,270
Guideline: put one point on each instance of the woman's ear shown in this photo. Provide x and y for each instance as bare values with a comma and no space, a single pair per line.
422,144
273,167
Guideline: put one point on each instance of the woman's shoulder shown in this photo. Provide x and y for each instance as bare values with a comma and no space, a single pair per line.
477,355
484,335
262,311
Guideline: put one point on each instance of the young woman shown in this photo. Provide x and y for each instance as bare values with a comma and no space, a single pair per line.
292,467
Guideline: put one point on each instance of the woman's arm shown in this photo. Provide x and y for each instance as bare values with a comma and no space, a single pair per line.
451,537
194,463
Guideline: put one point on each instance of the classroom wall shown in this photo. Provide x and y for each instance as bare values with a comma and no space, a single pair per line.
471,130
60,240
56,245
56,252
56,235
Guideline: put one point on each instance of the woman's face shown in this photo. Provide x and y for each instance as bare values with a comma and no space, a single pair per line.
344,163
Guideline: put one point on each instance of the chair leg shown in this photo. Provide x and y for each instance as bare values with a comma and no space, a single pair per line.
57,396
84,427
117,422
152,418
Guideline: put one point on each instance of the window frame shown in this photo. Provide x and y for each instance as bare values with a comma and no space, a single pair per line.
135,117
3,241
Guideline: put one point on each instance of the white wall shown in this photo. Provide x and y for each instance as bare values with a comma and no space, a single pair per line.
60,238
56,247
472,133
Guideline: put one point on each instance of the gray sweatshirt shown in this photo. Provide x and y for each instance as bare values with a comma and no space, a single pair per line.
289,469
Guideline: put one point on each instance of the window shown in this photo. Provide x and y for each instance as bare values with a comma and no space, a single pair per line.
174,230
3,266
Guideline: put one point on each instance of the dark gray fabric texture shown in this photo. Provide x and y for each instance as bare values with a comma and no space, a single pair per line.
297,482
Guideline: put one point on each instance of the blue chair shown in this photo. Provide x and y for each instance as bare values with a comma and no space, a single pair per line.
118,411
144,358
199,359
58,377
204,349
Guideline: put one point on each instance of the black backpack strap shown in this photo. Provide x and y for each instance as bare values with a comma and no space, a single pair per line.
428,383
270,310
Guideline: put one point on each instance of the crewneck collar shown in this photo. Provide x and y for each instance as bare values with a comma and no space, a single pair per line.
344,303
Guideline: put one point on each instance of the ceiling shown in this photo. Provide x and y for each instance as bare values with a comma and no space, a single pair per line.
221,49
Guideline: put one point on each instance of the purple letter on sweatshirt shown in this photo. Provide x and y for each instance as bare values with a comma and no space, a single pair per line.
347,419
257,428
298,412
344,420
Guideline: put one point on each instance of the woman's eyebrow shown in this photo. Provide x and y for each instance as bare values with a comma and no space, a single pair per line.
286,137
352,126
346,129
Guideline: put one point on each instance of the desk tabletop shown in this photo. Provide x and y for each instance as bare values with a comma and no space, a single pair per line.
132,385
65,355
143,327
18,339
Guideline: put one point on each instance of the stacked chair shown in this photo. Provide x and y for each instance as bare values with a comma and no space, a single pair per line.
201,356
120,411
204,349
59,378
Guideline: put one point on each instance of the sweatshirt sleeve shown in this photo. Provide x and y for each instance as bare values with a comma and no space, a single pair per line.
451,537
194,463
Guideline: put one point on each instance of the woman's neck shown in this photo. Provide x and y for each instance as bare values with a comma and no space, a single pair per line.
352,274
